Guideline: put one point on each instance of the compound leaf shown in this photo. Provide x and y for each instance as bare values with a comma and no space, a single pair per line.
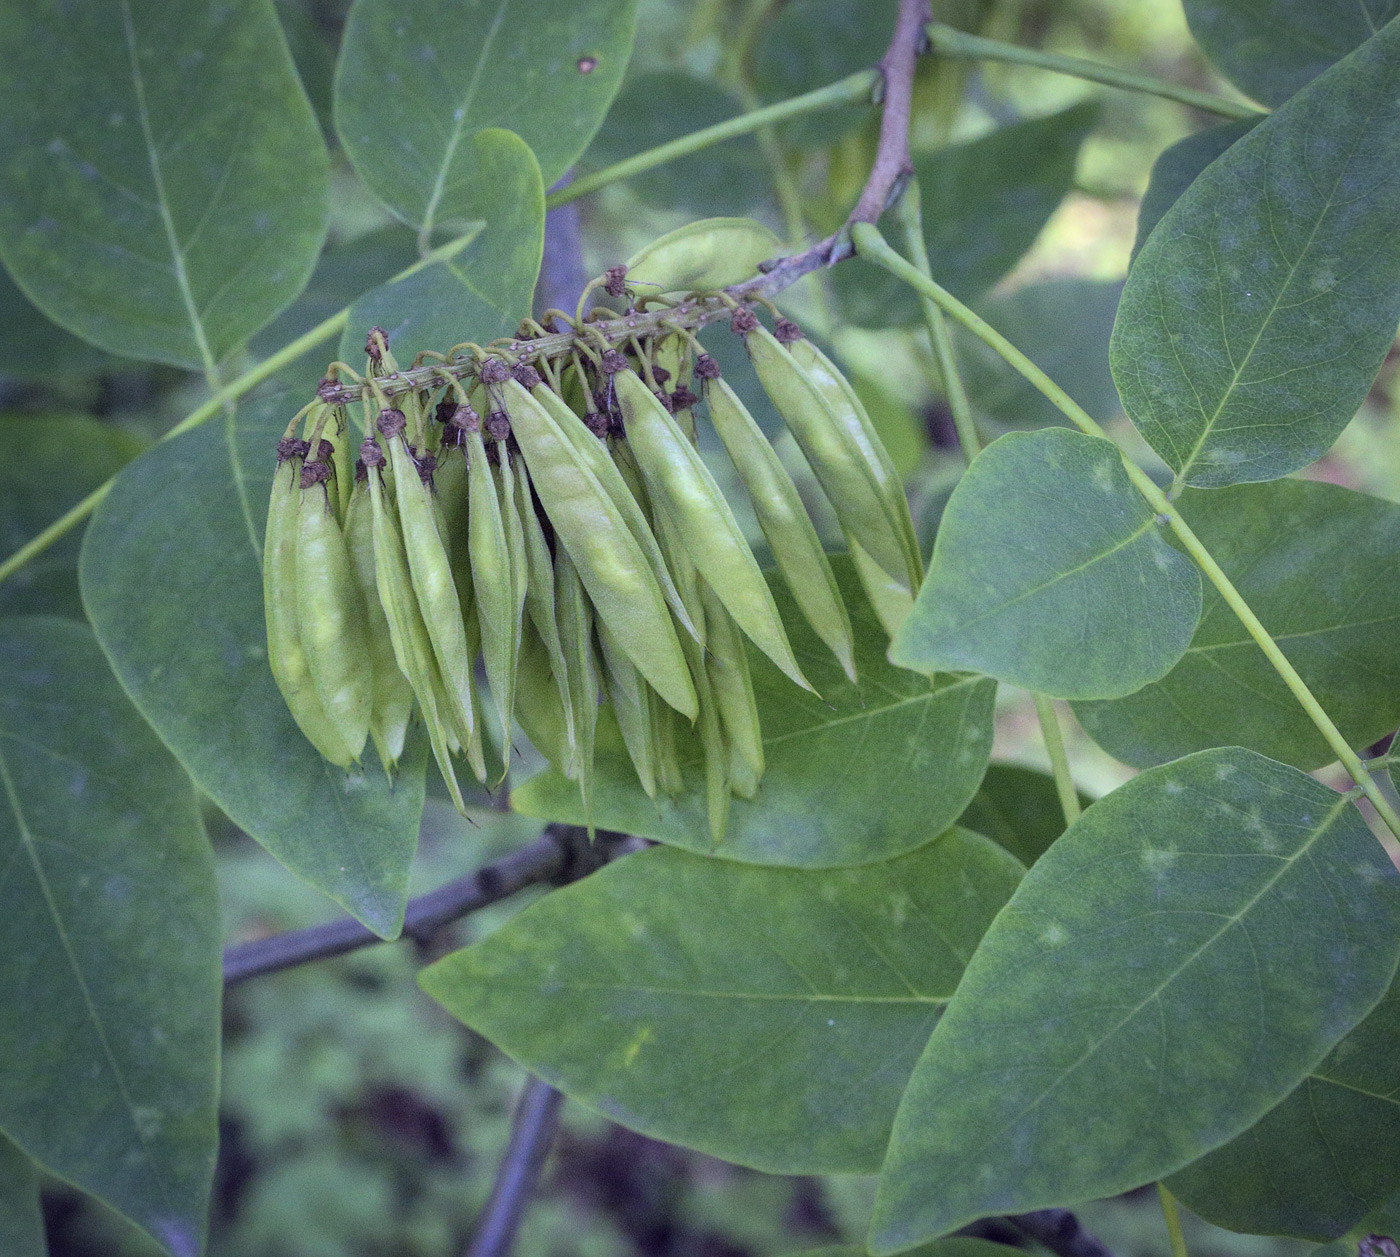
171,574
163,181
109,941
1261,307
1049,572
864,773
1312,560
767,1016
1176,964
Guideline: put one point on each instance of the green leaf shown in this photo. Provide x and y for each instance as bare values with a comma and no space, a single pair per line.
767,1016
864,773
1019,809
1320,1161
1271,48
163,181
655,108
954,1246
1063,326
171,574
984,204
1177,168
415,85
1049,573
33,347
484,289
1258,312
1308,558
109,933
51,462
1164,975
21,1222
811,43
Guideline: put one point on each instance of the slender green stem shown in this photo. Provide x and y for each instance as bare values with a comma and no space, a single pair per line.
872,246
1173,1219
955,44
909,213
1059,761
854,89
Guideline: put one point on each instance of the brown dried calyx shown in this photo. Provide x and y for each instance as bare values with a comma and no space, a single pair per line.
706,368
370,453
612,362
498,425
391,423
314,473
743,322
376,343
785,331
526,375
615,275
292,447
494,371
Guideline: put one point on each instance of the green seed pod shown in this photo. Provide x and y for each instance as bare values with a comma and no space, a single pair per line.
665,752
576,638
493,585
594,454
540,603
710,253
543,716
681,485
628,692
391,701
285,654
891,601
413,647
433,586
848,409
861,505
728,666
610,563
785,522
331,616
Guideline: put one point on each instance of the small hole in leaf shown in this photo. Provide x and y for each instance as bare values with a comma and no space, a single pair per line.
586,65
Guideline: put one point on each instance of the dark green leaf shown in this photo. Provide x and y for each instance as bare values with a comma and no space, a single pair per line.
1063,326
1165,974
1019,809
1383,1221
652,109
1312,561
1271,48
1049,572
416,84
815,42
21,1223
984,204
767,1016
162,178
109,930
1258,312
954,1246
51,462
483,290
172,580
1320,1161
33,347
862,774
1177,168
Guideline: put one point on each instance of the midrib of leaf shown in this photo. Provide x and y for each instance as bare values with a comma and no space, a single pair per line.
177,253
1291,271
458,129
1231,921
804,997
27,841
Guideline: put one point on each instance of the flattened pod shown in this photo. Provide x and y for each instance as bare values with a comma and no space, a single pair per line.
576,637
666,754
413,648
391,696
609,562
796,548
595,456
331,618
681,485
433,587
540,605
537,703
628,692
728,666
709,253
285,654
891,601
493,584
836,458
848,409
